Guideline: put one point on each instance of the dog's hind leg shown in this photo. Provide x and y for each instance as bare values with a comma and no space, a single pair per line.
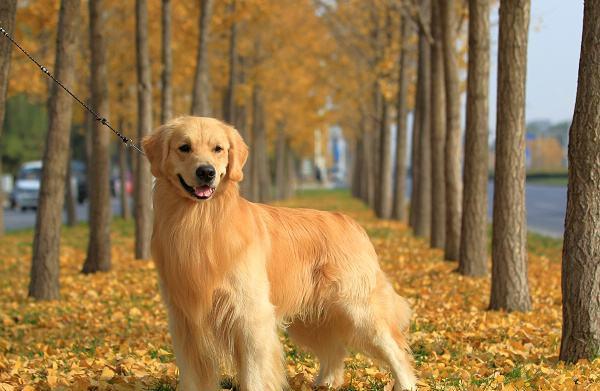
326,343
379,328
386,348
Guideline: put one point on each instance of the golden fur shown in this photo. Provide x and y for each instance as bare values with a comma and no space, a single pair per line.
233,271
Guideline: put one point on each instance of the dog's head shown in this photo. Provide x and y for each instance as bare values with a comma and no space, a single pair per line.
196,155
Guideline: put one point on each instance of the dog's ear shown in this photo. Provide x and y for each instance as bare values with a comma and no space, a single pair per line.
238,154
155,147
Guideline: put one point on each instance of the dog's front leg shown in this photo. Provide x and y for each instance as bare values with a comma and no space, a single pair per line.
197,369
259,353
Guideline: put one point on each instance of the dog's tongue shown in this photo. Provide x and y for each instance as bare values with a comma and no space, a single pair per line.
203,191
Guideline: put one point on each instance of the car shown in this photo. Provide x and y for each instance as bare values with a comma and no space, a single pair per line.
26,190
25,193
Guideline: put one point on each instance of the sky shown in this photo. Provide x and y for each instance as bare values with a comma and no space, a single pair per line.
553,60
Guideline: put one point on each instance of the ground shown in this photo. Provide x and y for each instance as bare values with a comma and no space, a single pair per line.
109,331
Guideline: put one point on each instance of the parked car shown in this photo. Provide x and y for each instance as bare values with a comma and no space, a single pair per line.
26,191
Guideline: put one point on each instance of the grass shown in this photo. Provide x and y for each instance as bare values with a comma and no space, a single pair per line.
548,178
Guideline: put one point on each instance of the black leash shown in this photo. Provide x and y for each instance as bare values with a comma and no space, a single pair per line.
126,140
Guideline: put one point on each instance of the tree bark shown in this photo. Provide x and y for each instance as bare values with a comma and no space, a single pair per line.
69,196
399,201
98,251
8,10
473,246
280,162
423,212
202,88
375,142
414,158
44,283
438,131
510,289
124,196
356,163
260,174
143,182
453,144
383,206
291,175
581,249
241,124
229,106
89,128
367,176
166,95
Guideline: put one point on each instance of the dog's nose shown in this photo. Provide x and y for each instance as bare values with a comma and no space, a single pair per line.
206,173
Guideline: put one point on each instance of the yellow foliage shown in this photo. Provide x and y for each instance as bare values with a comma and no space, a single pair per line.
110,331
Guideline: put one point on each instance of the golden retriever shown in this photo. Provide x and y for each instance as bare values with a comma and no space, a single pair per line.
232,271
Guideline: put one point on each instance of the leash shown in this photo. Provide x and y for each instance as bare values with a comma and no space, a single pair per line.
126,140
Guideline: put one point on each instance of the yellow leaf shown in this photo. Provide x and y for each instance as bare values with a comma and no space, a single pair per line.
107,374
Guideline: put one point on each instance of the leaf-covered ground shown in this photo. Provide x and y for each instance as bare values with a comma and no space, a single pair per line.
109,331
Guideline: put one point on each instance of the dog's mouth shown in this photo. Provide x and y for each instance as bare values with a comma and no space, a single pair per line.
203,192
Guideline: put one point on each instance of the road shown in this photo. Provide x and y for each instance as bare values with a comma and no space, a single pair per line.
545,206
17,219
545,210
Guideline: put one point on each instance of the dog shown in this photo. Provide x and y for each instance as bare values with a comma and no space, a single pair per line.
233,272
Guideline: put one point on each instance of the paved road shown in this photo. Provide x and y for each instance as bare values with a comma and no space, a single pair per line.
545,210
16,219
545,205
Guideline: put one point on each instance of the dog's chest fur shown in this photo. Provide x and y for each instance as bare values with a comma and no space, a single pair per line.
189,252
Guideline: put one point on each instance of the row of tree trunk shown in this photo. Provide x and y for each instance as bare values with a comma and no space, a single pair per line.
44,283
456,221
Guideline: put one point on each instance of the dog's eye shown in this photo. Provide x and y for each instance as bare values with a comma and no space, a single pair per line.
185,148
218,148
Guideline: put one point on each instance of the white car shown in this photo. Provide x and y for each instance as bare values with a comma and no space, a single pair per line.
26,191
27,186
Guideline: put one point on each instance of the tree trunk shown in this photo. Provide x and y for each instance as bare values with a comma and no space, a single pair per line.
201,92
367,175
291,175
98,251
89,128
453,145
414,159
124,196
356,166
240,120
45,265
8,10
510,289
69,196
423,212
166,95
383,206
473,245
438,131
399,201
260,174
280,162
143,182
375,143
581,250
229,106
